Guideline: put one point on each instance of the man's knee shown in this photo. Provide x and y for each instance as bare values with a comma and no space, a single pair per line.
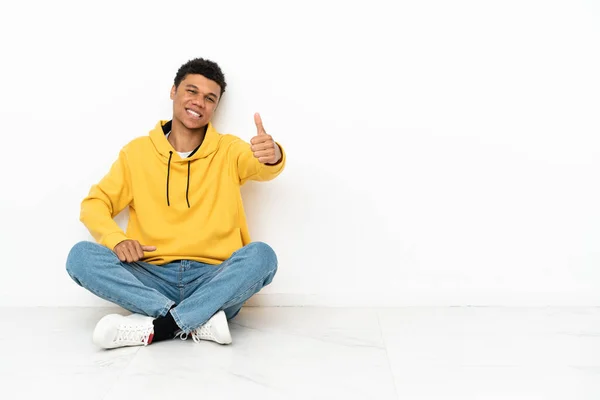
263,257
79,258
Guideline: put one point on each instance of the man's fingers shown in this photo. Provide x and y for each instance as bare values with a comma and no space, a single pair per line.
259,124
264,153
137,251
261,139
131,250
127,253
263,146
120,254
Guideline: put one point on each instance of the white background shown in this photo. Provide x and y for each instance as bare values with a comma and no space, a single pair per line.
440,153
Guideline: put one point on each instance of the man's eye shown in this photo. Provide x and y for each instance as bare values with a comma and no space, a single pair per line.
192,91
210,99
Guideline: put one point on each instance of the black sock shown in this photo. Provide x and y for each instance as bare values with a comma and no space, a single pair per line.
164,328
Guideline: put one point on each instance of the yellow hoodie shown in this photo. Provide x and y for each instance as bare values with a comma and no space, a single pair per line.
188,208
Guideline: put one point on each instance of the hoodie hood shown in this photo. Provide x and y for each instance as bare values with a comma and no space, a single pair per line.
208,146
168,154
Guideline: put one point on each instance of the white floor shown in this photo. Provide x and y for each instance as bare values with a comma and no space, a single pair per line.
314,353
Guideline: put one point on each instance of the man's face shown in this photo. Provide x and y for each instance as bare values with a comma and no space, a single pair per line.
195,100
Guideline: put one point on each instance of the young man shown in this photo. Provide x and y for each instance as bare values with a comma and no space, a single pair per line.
186,264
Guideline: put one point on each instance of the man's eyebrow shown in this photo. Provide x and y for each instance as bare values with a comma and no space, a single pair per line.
189,85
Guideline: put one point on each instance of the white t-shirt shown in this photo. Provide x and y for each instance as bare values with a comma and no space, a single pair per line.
181,154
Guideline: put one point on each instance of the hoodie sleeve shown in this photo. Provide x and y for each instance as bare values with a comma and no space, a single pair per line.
249,168
104,201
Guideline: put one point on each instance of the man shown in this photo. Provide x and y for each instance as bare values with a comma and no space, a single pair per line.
186,263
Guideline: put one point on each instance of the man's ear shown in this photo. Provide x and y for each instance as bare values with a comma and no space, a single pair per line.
173,91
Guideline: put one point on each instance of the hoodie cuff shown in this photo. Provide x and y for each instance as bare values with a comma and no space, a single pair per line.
281,163
113,239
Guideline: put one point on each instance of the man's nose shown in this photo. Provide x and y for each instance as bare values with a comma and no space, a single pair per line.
198,101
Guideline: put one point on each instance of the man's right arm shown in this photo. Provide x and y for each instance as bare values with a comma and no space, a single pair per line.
104,201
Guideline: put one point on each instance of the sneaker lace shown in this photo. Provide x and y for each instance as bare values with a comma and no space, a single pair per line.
134,334
203,332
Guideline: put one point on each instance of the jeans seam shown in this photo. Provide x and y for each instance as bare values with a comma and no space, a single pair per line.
167,307
236,299
142,269
179,323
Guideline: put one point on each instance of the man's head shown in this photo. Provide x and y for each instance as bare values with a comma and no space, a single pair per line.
196,92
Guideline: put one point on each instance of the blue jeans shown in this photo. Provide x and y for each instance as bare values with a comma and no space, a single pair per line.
196,290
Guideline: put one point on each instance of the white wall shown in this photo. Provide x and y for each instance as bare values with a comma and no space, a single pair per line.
439,152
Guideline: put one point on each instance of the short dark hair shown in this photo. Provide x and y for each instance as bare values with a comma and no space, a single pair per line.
206,68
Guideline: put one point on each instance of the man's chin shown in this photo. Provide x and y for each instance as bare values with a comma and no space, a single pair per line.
194,125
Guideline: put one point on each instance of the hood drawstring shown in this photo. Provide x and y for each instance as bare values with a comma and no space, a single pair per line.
187,188
169,173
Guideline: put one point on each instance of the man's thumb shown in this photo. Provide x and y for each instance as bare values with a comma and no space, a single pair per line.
148,248
259,125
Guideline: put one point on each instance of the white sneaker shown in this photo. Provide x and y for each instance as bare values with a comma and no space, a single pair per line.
116,330
215,329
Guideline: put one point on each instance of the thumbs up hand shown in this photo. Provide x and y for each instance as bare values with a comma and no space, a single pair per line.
263,145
